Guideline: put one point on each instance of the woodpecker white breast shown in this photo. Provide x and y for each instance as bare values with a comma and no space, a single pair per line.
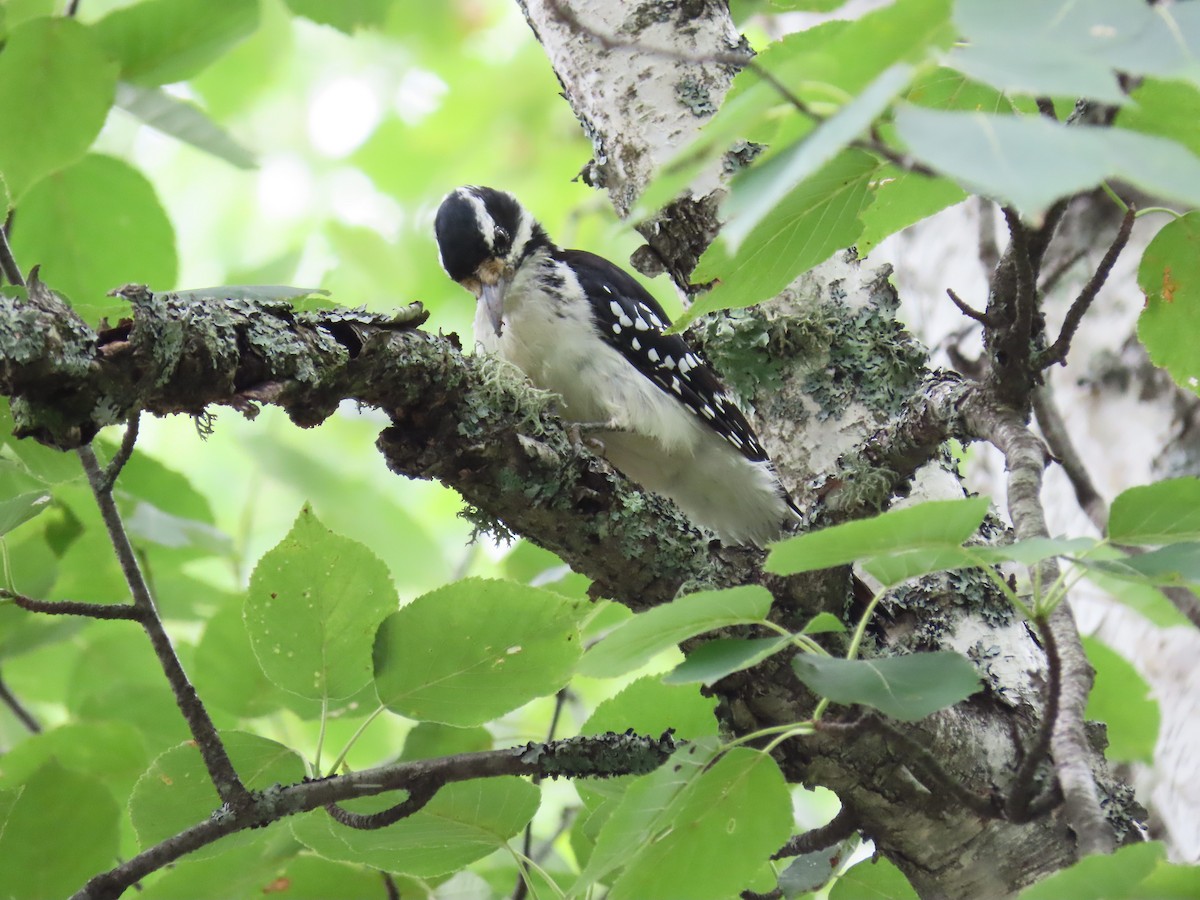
583,328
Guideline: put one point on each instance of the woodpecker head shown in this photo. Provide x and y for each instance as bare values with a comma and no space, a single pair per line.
483,235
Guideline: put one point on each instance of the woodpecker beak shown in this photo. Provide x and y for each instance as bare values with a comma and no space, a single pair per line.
492,298
494,280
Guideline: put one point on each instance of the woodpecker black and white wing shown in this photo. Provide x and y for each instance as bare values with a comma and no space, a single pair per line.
630,320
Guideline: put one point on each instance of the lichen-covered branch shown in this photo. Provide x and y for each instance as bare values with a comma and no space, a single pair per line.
598,757
1026,457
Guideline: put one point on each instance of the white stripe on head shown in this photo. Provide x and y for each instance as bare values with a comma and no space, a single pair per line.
487,228
521,238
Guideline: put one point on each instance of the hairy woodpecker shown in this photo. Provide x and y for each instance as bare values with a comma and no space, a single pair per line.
583,328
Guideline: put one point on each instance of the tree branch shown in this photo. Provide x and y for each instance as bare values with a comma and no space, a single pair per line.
8,265
74,607
220,769
24,716
1057,352
597,757
833,832
1025,458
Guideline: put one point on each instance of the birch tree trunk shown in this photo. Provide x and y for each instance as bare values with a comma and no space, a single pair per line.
642,78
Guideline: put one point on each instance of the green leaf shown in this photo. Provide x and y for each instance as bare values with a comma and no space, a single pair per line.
712,661
1170,109
18,510
314,603
474,650
939,523
824,623
694,829
345,15
462,823
633,644
1157,513
228,676
183,121
429,740
1143,599
649,707
48,60
874,878
57,808
895,568
754,196
812,222
1121,699
1099,876
111,752
1067,49
907,688
1174,564
176,792
1169,276
903,199
1030,161
164,41
94,226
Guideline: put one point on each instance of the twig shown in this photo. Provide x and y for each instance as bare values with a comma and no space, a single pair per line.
117,463
24,716
1054,430
75,607
389,885
928,770
1046,107
989,250
1025,458
970,312
521,888
840,827
1055,275
72,8
1057,352
604,756
220,769
1017,805
1026,293
419,794
8,265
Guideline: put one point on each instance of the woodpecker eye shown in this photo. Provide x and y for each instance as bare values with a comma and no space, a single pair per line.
501,239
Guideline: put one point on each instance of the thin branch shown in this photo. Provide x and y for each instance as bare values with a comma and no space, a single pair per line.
989,250
1057,352
970,312
389,885
1025,459
1055,275
24,716
927,769
8,265
419,794
840,827
1054,430
117,463
603,756
1025,300
1046,107
220,769
521,888
74,607
1017,805
72,8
